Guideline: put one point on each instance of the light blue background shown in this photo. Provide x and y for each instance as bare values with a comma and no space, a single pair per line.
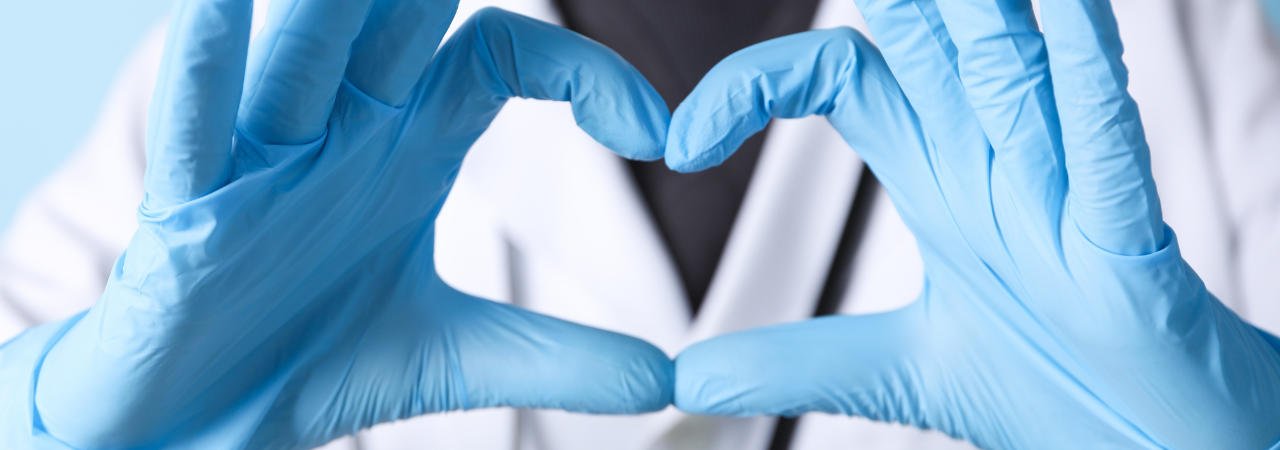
57,60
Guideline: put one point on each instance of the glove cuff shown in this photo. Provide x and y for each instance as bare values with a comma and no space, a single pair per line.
20,362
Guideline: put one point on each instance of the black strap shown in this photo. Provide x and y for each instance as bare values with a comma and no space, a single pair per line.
837,283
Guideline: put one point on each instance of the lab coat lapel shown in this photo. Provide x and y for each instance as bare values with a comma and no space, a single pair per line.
773,267
786,233
777,255
784,238
607,267
551,170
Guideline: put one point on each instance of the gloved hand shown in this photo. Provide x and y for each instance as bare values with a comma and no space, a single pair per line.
281,290
1057,312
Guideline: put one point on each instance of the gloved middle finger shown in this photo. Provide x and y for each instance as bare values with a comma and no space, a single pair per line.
836,73
295,67
497,55
1005,70
919,50
1113,191
397,42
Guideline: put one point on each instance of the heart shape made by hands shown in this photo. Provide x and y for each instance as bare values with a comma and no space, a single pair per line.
284,258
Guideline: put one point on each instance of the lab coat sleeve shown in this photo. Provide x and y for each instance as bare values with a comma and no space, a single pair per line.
472,251
1240,64
57,252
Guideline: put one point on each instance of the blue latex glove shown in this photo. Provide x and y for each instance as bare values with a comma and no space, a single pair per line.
1057,312
281,290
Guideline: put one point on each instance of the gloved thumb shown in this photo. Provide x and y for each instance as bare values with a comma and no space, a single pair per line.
851,365
517,358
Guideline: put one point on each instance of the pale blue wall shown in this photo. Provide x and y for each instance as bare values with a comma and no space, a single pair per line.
57,59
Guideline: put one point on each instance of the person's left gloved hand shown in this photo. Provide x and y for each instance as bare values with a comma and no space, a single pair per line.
281,290
1057,312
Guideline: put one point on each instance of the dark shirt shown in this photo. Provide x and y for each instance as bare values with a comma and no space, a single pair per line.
673,43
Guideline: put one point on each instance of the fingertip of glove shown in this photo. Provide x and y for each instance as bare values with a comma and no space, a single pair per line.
625,375
637,148
651,382
677,159
703,379
695,143
680,159
639,133
649,145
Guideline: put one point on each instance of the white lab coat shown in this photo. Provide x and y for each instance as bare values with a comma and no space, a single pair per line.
545,217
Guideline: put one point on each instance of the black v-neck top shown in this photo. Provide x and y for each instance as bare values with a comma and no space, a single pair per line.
674,43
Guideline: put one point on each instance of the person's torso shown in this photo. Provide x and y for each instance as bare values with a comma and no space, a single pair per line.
571,236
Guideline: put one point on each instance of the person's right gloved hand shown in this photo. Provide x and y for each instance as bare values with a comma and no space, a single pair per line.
280,291
1057,312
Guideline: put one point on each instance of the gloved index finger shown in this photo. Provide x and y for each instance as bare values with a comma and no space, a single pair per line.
838,364
918,49
497,55
1113,193
836,73
788,77
197,94
517,358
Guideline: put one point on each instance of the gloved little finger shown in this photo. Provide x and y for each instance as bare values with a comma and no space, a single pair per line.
1113,192
497,55
1004,68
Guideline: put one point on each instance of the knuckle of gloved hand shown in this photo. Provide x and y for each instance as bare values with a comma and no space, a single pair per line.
492,19
844,35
